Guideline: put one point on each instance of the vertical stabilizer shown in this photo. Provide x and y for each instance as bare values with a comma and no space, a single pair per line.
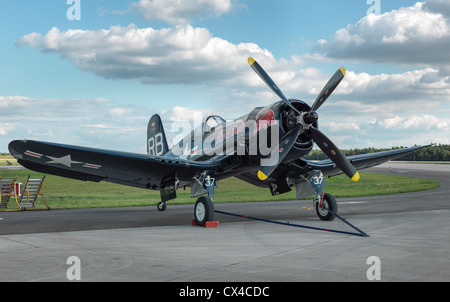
156,138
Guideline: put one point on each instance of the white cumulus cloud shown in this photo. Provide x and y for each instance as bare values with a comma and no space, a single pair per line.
408,104
425,122
183,54
85,122
181,11
419,34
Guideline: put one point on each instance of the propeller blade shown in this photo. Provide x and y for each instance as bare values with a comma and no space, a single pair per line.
329,88
269,82
285,146
324,143
333,153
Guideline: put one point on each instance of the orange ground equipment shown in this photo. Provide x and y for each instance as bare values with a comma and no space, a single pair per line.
31,191
8,190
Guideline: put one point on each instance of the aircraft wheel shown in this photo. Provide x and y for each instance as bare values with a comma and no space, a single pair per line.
331,204
203,210
161,206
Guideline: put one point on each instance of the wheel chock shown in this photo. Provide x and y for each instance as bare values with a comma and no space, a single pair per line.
211,224
208,224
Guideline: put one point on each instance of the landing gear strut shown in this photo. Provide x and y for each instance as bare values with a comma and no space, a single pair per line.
325,203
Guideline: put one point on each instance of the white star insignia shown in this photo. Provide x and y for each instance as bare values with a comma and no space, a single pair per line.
65,160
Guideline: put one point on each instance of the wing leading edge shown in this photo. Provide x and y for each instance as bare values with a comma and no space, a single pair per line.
301,168
90,164
362,161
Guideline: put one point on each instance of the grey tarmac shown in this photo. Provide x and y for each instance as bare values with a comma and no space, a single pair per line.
408,234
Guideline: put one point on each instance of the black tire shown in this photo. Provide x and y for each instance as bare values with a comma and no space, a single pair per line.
203,210
162,206
330,202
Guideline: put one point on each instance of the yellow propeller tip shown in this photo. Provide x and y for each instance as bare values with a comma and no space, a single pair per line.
251,61
261,175
355,177
343,70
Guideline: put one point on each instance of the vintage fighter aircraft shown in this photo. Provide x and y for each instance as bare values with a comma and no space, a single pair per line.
218,150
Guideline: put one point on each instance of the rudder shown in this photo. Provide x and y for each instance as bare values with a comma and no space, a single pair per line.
156,137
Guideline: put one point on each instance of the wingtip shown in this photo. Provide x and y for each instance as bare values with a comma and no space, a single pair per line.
261,175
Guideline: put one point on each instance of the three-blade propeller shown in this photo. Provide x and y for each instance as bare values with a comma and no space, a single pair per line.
306,119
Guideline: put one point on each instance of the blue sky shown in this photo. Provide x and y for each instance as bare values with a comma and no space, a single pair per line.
96,81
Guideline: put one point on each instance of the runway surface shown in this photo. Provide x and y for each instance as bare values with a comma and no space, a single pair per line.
409,234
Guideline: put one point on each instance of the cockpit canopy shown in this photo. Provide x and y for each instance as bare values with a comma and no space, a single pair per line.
208,125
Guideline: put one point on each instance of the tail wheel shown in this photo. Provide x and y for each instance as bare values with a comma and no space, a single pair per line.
162,206
328,202
203,210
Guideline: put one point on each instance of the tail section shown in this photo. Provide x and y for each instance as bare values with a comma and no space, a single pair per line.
156,138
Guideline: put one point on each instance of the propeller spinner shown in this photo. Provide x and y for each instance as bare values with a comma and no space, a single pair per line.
305,120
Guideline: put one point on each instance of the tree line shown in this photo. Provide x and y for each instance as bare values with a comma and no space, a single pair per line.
431,153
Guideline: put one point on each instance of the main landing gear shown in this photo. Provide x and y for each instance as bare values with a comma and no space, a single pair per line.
325,207
204,207
324,203
203,210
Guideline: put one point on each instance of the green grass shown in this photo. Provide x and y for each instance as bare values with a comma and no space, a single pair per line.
64,193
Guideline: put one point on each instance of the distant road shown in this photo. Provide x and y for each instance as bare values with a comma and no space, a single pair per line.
9,168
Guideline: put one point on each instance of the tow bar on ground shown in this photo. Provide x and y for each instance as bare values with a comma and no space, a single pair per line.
359,232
